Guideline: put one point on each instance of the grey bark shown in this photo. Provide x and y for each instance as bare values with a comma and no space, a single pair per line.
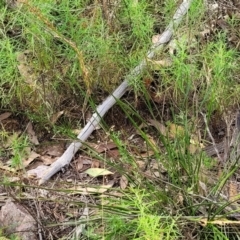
165,37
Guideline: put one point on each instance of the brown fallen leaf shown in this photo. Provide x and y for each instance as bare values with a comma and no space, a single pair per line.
123,182
87,160
95,163
33,155
114,153
159,126
31,134
157,65
102,147
154,174
147,154
56,116
47,160
5,115
141,165
55,150
78,164
81,161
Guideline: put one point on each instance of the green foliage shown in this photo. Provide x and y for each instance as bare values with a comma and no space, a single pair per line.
137,222
3,236
220,64
48,33
19,152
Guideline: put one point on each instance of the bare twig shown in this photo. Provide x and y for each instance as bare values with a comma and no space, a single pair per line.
227,139
235,139
67,156
232,140
210,135
79,229
38,224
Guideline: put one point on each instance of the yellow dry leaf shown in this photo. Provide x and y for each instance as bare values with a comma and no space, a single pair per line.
176,130
220,221
96,172
233,193
159,64
195,141
91,190
202,188
76,131
193,148
155,38
56,116
6,168
152,142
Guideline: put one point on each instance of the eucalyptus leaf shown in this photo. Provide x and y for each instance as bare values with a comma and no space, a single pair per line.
95,172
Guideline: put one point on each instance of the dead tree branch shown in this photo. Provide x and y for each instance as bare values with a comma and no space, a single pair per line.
67,156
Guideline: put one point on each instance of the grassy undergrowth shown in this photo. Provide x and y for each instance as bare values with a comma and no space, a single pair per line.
55,55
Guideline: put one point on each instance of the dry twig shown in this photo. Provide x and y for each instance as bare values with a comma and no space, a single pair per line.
66,158
210,135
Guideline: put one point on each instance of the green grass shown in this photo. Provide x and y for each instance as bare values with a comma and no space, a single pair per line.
9,237
64,52
19,152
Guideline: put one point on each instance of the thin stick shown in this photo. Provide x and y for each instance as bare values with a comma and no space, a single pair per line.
67,156
210,135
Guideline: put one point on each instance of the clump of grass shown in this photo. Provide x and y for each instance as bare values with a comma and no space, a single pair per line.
220,63
19,151
163,207
99,52
138,222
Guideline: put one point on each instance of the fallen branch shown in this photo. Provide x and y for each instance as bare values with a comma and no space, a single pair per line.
67,156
